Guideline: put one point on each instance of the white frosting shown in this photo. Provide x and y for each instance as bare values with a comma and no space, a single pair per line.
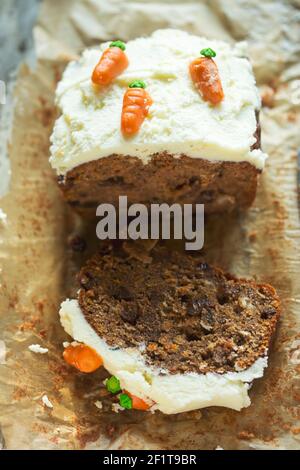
172,393
179,120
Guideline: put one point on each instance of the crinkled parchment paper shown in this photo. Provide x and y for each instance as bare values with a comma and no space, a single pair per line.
37,261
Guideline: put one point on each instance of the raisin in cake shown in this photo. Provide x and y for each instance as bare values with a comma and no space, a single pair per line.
186,151
178,333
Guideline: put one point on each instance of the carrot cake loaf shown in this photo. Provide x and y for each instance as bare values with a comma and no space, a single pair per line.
167,118
176,334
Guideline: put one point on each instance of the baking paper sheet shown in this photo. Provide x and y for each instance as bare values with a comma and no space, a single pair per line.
38,265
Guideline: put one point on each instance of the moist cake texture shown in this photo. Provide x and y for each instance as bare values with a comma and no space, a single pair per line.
186,151
220,186
189,315
176,331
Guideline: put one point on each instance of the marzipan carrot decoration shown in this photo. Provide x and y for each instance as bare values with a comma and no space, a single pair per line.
136,103
205,75
82,357
129,401
111,64
138,403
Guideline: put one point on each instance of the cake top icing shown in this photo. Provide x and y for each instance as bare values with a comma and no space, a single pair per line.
179,120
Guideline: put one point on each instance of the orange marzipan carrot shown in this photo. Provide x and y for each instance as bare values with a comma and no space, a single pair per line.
138,403
111,64
205,75
136,103
82,357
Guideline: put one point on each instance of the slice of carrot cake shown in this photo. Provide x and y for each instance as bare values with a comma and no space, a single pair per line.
176,334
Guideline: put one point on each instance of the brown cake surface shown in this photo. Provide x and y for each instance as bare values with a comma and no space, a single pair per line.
221,186
190,316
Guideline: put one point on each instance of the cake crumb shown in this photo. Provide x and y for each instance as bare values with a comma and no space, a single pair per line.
116,407
245,435
46,401
296,431
219,448
252,236
268,96
66,344
37,348
3,217
2,352
98,404
77,243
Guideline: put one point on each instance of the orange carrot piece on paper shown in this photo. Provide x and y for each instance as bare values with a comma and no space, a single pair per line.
136,103
111,64
82,357
205,75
